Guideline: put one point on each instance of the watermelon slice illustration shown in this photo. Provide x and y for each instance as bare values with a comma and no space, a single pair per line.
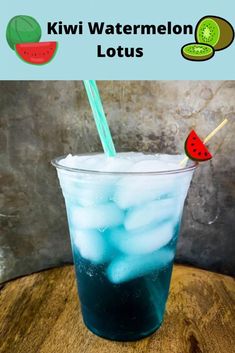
195,148
37,53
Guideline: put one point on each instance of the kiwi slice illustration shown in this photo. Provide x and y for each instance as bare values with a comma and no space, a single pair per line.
214,31
197,52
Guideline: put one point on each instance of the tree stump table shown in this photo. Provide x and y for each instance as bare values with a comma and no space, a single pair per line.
40,313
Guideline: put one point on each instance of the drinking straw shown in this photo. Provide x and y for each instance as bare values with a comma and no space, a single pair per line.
100,118
208,137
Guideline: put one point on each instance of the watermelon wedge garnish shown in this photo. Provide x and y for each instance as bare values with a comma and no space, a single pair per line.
37,53
195,149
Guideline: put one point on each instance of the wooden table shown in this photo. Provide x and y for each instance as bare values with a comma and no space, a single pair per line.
40,314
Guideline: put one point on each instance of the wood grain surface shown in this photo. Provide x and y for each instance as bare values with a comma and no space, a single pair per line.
41,314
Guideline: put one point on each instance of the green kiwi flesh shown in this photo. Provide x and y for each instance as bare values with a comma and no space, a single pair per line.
214,31
197,52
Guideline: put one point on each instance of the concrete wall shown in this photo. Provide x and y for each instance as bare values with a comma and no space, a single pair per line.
40,120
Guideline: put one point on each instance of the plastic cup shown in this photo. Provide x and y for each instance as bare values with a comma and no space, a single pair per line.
124,229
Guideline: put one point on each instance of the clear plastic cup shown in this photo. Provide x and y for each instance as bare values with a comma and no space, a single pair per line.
124,229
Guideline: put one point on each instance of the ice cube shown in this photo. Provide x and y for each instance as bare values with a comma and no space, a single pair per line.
153,166
85,190
135,190
93,162
87,162
99,216
126,268
90,189
90,194
136,156
92,245
171,158
152,212
73,161
116,164
142,242
108,164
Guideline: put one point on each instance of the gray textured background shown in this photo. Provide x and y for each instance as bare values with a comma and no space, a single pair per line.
40,120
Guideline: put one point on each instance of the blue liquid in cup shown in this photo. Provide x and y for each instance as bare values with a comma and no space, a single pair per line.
123,232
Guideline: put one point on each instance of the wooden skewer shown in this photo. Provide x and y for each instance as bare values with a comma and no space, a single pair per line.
208,137
184,160
224,122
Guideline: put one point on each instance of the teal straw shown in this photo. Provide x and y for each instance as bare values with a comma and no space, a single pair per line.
100,118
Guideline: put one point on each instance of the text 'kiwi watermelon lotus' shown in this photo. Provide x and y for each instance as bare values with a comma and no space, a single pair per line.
23,35
103,29
212,33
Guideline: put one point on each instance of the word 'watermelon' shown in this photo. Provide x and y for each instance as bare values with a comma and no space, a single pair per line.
37,53
23,29
195,148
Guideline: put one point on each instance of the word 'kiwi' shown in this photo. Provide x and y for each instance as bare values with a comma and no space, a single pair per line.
197,52
214,31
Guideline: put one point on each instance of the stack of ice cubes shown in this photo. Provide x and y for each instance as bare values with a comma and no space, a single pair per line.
127,221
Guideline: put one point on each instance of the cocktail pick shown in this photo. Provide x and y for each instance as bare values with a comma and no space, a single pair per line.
195,148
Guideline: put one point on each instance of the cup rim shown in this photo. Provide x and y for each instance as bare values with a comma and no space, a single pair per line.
56,163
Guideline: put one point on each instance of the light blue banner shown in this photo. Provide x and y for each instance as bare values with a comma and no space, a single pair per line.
77,54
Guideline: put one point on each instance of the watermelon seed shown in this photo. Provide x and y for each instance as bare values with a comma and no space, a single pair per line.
192,144
206,153
199,153
194,138
194,150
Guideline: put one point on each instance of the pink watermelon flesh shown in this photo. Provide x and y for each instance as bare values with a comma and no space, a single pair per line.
195,148
37,53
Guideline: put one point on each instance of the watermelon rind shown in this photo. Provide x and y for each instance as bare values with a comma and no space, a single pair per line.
37,64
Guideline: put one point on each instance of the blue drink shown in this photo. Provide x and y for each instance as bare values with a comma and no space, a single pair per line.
124,228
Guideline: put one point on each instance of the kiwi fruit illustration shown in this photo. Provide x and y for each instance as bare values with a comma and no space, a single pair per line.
197,52
214,31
